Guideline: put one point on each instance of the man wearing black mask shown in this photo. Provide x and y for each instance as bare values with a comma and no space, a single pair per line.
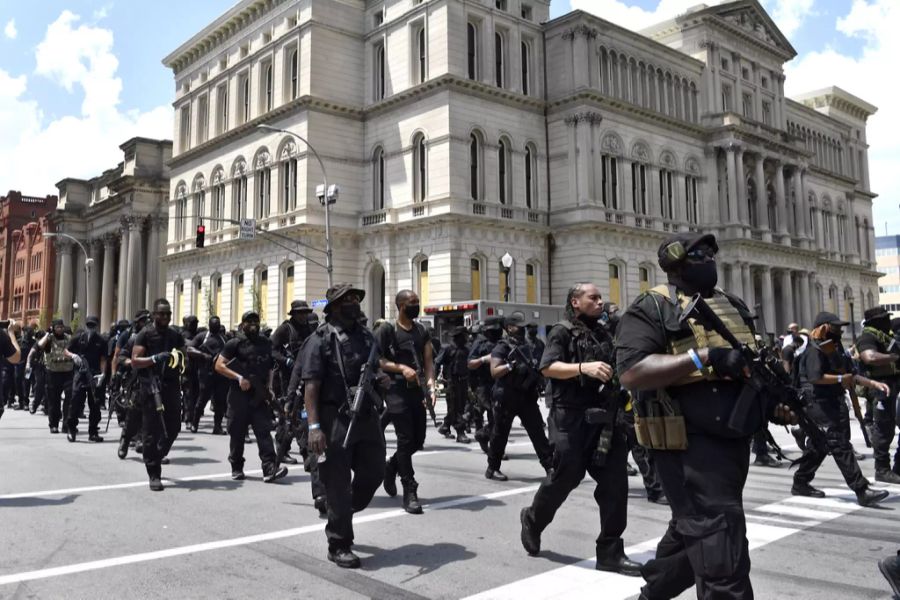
213,388
826,373
332,360
407,356
880,357
26,342
286,342
247,361
60,370
480,366
454,358
88,351
688,381
190,383
155,359
585,405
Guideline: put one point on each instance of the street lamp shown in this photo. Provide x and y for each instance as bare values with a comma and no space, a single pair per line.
88,261
506,261
332,194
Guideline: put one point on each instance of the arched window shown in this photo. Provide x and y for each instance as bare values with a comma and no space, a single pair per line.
215,292
287,287
666,194
181,212
268,95
526,68
263,192
199,202
288,185
244,87
379,70
179,302
692,199
609,181
476,277
603,74
472,50
378,179
503,172
239,196
530,180
420,168
420,267
218,201
238,301
639,188
196,297
499,60
644,279
260,292
615,283
475,154
531,283
295,74
421,58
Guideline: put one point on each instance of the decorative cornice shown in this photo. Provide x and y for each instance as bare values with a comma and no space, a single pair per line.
584,117
580,29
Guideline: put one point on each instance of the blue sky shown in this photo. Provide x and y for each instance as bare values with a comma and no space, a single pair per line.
112,49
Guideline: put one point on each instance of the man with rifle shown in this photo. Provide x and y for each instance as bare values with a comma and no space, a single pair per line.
286,342
190,390
247,361
879,353
339,363
491,331
692,381
408,357
154,358
454,358
585,404
203,352
88,351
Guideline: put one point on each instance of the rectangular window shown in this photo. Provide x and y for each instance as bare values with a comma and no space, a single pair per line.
423,282
692,200
179,302
500,4
726,98
292,74
378,18
217,299
202,118
526,68
475,275
499,59
289,185
530,284
244,91
666,197
527,12
263,192
379,70
472,50
615,295
185,131
221,109
195,297
419,60
239,197
639,188
767,112
262,290
748,106
266,93
218,207
644,277
238,300
288,287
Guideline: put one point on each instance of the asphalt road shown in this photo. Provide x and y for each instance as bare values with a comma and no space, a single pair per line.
79,523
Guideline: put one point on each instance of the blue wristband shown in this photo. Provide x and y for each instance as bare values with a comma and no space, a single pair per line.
314,426
694,357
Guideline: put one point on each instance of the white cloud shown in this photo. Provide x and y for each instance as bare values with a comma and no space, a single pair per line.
788,14
876,23
38,152
10,30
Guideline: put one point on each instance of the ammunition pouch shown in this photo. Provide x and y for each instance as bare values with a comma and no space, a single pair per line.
659,423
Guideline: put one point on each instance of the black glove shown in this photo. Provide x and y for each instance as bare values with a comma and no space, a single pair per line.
288,362
161,358
727,362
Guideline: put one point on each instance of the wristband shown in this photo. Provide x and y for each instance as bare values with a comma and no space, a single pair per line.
240,379
579,369
696,358
314,426
840,379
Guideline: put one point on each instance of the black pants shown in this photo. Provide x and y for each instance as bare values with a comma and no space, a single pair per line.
243,414
156,443
760,444
213,389
406,410
574,442
832,416
310,465
21,385
190,393
457,395
706,542
507,408
350,477
482,403
59,383
132,423
38,384
81,394
8,385
884,426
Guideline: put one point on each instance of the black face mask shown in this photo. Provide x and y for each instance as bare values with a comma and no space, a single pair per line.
697,277
492,334
411,311
215,327
883,324
460,340
251,331
350,312
835,335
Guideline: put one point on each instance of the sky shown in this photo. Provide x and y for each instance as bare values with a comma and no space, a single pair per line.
79,77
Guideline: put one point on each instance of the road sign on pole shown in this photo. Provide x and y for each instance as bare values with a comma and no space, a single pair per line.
248,229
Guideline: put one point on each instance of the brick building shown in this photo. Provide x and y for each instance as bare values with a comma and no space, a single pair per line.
26,258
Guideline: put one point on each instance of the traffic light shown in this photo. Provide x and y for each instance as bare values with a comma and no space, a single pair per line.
201,235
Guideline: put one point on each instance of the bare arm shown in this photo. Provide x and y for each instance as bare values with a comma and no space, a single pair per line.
499,368
661,370
429,364
17,356
877,359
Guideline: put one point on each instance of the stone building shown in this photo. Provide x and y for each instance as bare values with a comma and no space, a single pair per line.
119,219
887,255
26,258
463,130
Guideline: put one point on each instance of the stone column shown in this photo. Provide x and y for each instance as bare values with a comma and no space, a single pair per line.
94,291
802,299
812,300
820,224
743,210
583,136
780,201
787,300
732,184
768,298
749,296
107,293
735,283
64,293
122,288
762,208
134,285
152,290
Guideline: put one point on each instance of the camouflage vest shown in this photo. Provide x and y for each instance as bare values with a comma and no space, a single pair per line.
881,371
57,361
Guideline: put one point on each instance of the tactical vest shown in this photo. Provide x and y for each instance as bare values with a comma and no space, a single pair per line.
582,392
57,361
881,371
343,370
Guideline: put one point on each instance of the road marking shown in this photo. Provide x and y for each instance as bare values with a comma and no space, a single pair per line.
581,581
240,541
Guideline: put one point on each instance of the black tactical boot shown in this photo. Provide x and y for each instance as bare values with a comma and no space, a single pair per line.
869,497
531,539
630,470
890,568
156,483
193,428
444,430
411,498
804,489
657,498
886,476
52,429
95,437
288,459
344,558
275,474
483,439
237,473
390,477
217,430
764,460
123,448
611,557
164,460
462,438
71,432
321,505
495,474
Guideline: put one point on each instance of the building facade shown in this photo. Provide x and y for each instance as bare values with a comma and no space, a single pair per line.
26,258
119,219
887,255
463,130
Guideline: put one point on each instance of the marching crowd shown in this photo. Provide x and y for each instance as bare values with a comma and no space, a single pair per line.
680,380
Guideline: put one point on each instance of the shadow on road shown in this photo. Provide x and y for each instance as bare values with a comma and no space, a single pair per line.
36,502
189,460
427,557
208,484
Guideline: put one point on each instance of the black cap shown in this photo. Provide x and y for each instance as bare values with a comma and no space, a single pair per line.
57,323
142,314
123,324
338,291
514,319
458,330
92,320
876,312
492,323
830,318
250,314
672,251
299,306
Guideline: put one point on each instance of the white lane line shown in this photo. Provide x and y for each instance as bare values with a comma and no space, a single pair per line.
798,511
581,581
240,541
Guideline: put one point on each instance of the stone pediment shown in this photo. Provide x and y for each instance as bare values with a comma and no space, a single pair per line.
752,19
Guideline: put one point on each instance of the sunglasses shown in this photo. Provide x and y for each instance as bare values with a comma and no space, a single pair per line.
700,253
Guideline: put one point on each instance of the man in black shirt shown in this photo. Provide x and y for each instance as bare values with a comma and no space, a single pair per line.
454,358
879,354
480,367
60,370
9,350
203,350
129,411
286,342
247,361
516,388
407,356
190,383
88,351
333,358
826,373
155,358
23,384
585,402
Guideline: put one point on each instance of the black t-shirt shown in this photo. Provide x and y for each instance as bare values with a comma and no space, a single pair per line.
454,360
579,391
404,347
815,363
482,347
155,341
251,358
319,362
645,329
868,341
524,378
90,347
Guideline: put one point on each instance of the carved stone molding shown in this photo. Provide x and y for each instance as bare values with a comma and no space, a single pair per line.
581,29
584,117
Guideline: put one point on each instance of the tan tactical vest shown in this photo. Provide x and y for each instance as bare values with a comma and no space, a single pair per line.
57,361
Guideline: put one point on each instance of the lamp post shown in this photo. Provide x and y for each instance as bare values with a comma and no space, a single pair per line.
326,195
88,261
506,261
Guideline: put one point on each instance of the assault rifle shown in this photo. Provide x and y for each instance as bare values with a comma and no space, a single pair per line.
420,377
768,385
363,390
156,393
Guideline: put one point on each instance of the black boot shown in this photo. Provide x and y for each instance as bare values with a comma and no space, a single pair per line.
804,489
611,557
275,474
390,477
462,438
344,558
444,430
411,498
531,539
156,483
288,459
321,505
495,474
123,448
764,460
890,568
95,437
870,497
887,476
71,432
